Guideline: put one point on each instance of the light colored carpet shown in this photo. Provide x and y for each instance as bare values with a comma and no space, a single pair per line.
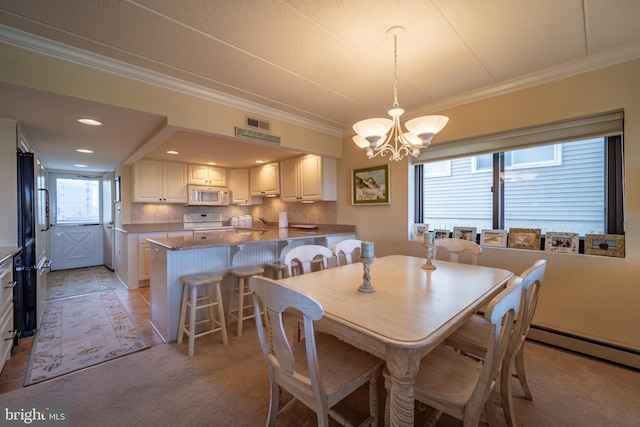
81,331
228,385
78,281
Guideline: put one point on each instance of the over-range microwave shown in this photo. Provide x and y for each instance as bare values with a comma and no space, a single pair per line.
203,195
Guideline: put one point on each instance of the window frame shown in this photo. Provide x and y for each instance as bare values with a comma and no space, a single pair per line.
614,185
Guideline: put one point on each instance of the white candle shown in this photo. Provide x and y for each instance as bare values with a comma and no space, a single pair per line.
366,250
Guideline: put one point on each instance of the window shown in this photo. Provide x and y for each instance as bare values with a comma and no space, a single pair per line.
77,200
555,183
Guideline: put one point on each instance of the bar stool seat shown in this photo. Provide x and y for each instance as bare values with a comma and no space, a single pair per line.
209,298
277,267
237,304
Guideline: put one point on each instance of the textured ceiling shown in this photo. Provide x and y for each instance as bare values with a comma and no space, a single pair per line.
329,61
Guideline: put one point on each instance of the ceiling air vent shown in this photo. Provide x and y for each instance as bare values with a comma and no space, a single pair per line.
258,124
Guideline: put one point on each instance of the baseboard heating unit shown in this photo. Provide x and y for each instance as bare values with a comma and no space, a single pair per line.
601,350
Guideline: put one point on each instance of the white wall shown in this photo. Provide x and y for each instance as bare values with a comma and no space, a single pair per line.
589,296
9,180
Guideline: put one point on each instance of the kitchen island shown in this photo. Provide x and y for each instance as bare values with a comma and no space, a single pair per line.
218,251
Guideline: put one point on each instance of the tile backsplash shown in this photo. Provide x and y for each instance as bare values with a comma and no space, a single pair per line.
311,213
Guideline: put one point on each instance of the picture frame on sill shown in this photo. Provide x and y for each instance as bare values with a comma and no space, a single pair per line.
524,238
441,234
497,238
420,232
561,242
466,233
370,186
604,245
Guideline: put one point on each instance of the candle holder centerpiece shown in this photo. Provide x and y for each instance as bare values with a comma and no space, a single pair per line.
367,258
427,239
428,265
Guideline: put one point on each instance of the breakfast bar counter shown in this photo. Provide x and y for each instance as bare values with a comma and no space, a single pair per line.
218,251
244,236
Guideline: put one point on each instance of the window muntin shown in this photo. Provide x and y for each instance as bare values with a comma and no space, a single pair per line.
556,187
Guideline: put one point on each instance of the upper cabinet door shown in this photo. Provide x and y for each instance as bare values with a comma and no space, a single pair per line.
157,181
265,180
311,177
207,175
289,183
174,182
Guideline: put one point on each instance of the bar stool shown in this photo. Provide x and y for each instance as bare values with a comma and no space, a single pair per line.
277,267
237,294
210,298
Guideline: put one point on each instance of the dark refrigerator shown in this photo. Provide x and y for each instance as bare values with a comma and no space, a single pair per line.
25,270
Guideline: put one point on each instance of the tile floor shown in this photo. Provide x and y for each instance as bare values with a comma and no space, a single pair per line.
136,301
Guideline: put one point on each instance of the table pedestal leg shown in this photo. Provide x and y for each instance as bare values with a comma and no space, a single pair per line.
403,366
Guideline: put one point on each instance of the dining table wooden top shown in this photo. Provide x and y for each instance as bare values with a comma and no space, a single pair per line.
411,306
411,311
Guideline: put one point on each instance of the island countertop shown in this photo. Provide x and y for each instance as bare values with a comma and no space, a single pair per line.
242,236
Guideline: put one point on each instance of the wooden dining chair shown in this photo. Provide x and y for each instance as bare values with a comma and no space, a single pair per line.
319,370
459,386
455,247
470,338
304,256
346,250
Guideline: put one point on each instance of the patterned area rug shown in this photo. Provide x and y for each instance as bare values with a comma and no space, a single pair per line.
81,331
79,281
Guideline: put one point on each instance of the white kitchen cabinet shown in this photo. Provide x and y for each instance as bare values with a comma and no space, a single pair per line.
158,181
6,310
309,178
207,175
144,252
265,180
239,186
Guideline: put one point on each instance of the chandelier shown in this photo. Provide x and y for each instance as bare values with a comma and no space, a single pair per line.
380,136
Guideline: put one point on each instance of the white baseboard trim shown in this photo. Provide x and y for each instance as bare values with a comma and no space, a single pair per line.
601,350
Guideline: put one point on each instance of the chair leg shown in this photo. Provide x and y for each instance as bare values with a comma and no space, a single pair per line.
520,374
240,304
221,319
274,404
490,410
183,314
192,319
507,396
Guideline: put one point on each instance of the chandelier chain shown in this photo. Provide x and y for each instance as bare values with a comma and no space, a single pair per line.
395,71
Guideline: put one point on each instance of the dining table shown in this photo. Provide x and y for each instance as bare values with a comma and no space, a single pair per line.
409,312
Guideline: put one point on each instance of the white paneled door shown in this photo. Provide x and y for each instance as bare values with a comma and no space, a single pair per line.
76,238
75,246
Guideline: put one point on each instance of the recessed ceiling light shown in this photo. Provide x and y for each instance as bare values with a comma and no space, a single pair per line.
212,163
80,166
172,152
89,122
84,150
259,161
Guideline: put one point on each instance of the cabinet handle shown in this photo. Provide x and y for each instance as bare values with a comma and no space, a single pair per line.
11,285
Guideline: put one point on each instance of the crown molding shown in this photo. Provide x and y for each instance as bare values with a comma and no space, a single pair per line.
43,46
46,47
579,66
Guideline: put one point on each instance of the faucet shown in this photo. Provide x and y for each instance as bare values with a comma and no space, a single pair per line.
264,221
